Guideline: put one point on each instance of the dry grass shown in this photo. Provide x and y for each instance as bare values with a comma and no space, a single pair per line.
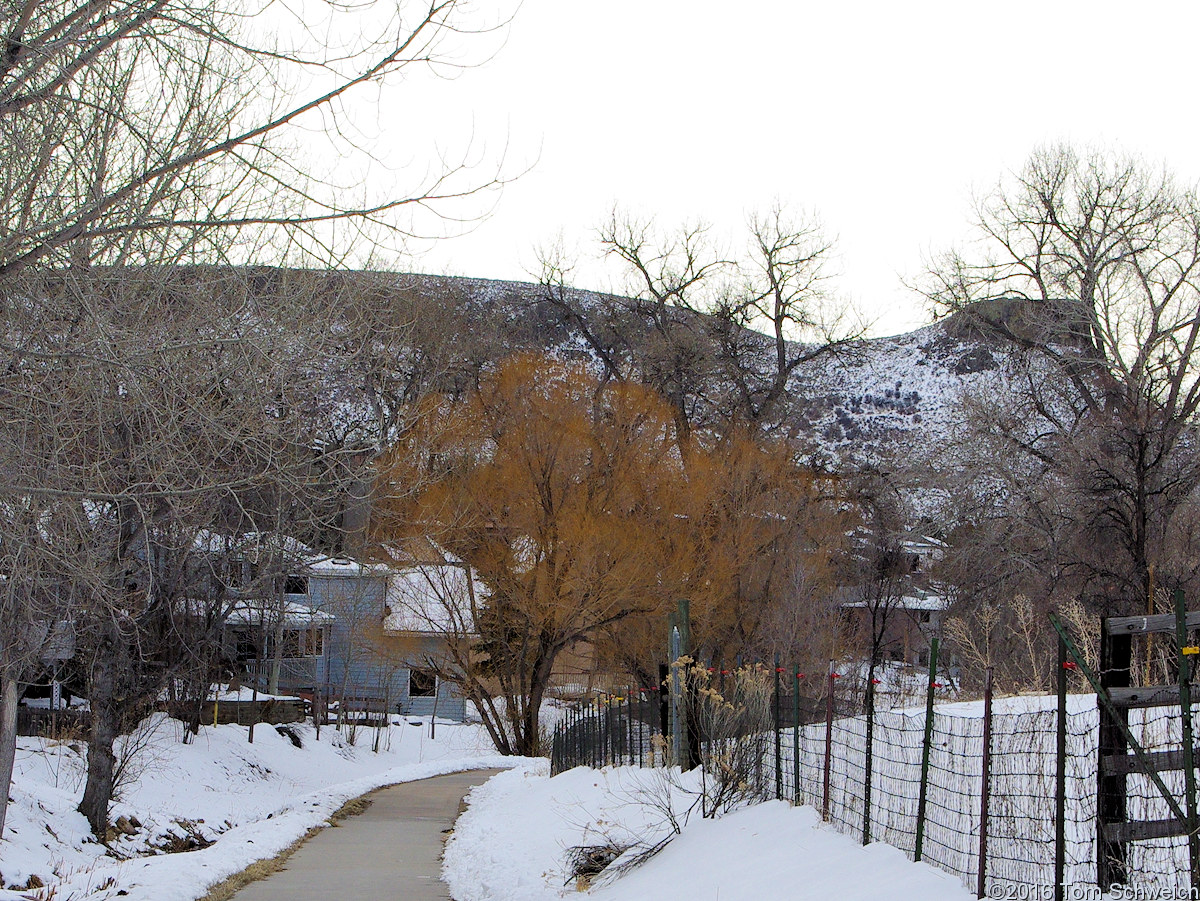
261,869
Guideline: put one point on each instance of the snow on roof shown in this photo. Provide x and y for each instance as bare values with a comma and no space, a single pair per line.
908,602
431,598
252,612
342,566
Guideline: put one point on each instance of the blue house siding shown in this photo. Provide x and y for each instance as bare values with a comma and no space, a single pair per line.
449,703
353,658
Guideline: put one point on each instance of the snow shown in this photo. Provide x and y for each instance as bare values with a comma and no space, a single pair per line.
249,800
253,612
239,802
431,598
510,845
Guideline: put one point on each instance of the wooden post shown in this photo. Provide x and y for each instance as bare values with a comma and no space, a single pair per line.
926,745
986,784
1115,658
1185,709
1060,779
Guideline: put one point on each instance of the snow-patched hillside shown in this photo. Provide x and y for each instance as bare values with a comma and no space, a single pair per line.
904,390
869,398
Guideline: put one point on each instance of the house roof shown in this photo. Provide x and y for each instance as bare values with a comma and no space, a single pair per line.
906,602
430,596
253,611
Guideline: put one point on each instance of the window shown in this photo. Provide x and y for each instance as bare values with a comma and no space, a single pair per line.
295,585
421,684
298,643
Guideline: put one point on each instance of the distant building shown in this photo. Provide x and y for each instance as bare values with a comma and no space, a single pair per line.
345,633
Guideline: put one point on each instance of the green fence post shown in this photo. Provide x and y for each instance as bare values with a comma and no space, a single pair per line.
925,746
985,785
778,739
869,757
796,736
829,703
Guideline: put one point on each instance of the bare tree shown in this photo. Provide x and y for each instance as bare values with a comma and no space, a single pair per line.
785,293
153,409
175,120
136,136
719,335
1089,266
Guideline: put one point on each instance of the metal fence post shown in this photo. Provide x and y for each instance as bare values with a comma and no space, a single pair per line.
676,706
868,756
926,745
985,792
629,724
778,738
828,741
796,736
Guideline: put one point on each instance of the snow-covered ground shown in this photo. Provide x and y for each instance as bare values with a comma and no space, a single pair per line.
190,815
511,845
233,801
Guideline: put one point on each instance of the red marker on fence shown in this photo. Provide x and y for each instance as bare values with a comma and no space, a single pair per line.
1069,664
876,681
799,675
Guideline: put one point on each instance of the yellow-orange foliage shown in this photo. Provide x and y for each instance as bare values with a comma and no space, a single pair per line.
555,490
574,506
753,546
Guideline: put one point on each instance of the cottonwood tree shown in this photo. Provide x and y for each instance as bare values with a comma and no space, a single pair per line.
192,404
181,121
720,335
555,492
150,133
1087,265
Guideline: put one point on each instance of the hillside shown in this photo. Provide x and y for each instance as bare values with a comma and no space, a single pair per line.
869,399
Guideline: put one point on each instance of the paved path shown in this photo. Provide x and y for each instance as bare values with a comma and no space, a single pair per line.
391,852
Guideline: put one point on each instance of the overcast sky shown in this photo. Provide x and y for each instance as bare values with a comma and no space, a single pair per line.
882,118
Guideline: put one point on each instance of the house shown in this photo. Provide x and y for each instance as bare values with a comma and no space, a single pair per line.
908,620
344,634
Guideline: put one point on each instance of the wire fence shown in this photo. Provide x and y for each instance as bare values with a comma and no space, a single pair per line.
813,752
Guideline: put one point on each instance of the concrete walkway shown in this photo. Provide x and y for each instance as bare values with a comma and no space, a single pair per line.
390,852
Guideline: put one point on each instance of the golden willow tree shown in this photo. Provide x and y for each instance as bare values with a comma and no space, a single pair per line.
568,500
554,491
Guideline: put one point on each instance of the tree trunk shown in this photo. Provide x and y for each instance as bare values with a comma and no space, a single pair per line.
97,793
8,740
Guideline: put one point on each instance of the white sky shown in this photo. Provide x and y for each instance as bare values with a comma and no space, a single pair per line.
882,118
